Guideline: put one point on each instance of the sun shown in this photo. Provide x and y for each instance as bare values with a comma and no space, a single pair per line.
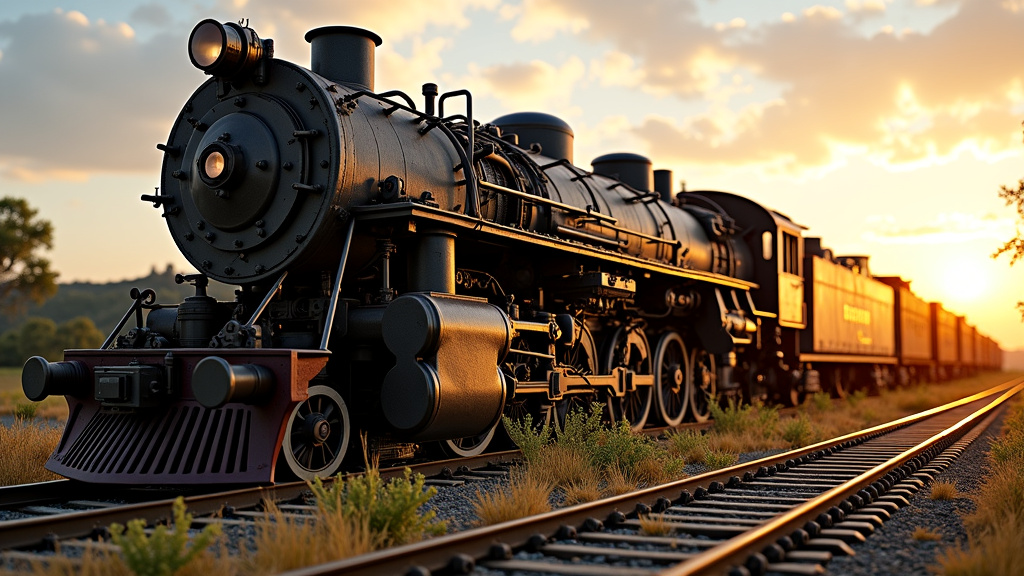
966,282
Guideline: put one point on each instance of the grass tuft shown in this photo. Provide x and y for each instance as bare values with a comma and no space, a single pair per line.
286,542
922,534
716,459
944,491
995,530
526,495
652,525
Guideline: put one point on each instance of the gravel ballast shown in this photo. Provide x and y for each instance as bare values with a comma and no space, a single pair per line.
891,550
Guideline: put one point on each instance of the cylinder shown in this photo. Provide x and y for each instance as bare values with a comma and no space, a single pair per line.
215,382
432,268
343,54
40,378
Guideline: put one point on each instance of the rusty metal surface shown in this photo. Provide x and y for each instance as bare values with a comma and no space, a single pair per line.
849,313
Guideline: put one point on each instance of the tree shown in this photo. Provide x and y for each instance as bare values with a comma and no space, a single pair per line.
38,337
1015,246
79,333
24,275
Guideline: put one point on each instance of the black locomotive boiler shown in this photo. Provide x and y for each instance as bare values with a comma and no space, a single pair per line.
406,276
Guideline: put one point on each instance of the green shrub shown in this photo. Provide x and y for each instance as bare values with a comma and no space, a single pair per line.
716,459
854,399
529,438
732,418
620,447
167,550
766,419
690,445
822,402
25,411
798,431
391,508
580,428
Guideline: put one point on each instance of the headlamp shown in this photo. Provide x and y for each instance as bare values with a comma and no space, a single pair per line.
224,50
220,165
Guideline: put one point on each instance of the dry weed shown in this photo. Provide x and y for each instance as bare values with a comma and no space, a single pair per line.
285,542
1001,551
922,534
561,466
26,448
617,481
944,491
526,495
583,490
655,525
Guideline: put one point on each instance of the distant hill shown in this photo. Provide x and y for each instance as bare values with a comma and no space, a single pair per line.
106,303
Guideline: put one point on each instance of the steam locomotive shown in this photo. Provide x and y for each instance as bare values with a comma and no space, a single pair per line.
406,277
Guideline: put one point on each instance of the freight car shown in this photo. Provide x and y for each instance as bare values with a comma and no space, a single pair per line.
415,275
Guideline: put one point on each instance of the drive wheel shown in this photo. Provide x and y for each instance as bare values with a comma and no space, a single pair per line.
673,378
840,385
704,384
317,434
797,395
629,349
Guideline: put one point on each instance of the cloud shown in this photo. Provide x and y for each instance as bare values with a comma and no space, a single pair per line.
84,96
946,228
534,84
538,20
287,22
825,89
865,5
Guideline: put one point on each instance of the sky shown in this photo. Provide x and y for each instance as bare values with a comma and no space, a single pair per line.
884,126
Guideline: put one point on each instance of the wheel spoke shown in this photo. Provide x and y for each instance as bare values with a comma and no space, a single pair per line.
304,455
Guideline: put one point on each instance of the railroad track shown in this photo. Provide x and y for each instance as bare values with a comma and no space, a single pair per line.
45,514
786,514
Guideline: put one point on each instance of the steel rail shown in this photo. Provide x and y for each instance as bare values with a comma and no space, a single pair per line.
439,554
27,532
718,559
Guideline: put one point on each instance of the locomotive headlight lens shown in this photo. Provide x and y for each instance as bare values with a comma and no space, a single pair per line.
214,165
221,165
225,50
207,43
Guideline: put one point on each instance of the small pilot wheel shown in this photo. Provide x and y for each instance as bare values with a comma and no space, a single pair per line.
704,384
628,348
672,378
318,434
470,445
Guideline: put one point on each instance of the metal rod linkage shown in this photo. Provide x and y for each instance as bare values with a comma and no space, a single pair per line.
336,292
266,300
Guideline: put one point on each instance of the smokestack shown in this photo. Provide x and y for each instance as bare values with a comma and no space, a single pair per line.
663,184
343,54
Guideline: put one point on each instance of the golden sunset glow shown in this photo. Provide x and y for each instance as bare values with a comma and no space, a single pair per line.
884,127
